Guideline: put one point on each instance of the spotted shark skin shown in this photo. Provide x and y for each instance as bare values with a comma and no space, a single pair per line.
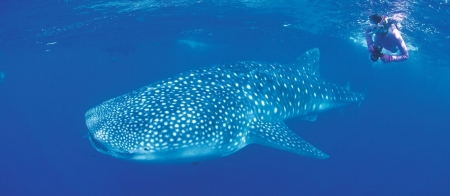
215,111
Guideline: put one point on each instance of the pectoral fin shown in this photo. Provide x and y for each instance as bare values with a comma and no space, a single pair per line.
279,136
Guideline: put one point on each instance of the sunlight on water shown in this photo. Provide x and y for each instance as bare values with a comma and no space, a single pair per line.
422,23
91,24
129,6
338,19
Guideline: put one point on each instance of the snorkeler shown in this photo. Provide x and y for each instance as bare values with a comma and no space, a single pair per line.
387,36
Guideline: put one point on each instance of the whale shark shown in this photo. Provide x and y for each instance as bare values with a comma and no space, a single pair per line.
215,111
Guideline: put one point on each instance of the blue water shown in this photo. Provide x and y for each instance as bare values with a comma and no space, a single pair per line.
60,58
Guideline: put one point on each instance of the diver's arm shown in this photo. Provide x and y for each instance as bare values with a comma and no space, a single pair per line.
369,40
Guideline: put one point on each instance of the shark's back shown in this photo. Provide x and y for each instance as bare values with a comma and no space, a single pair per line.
215,111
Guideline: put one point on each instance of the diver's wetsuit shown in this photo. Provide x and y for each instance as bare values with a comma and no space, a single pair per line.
391,41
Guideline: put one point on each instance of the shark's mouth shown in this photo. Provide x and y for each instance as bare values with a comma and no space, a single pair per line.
98,145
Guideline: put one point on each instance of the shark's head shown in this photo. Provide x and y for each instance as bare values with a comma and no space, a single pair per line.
133,130
175,120
105,130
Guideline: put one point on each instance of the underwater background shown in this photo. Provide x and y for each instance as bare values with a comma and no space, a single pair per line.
59,58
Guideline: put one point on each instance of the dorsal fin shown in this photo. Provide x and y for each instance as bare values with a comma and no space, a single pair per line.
309,62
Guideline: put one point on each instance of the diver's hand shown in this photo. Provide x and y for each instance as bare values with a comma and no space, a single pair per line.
374,57
386,58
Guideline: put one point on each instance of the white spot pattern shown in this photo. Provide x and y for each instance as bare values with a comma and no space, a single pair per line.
207,112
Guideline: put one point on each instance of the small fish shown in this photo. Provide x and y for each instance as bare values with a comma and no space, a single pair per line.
215,111
2,76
